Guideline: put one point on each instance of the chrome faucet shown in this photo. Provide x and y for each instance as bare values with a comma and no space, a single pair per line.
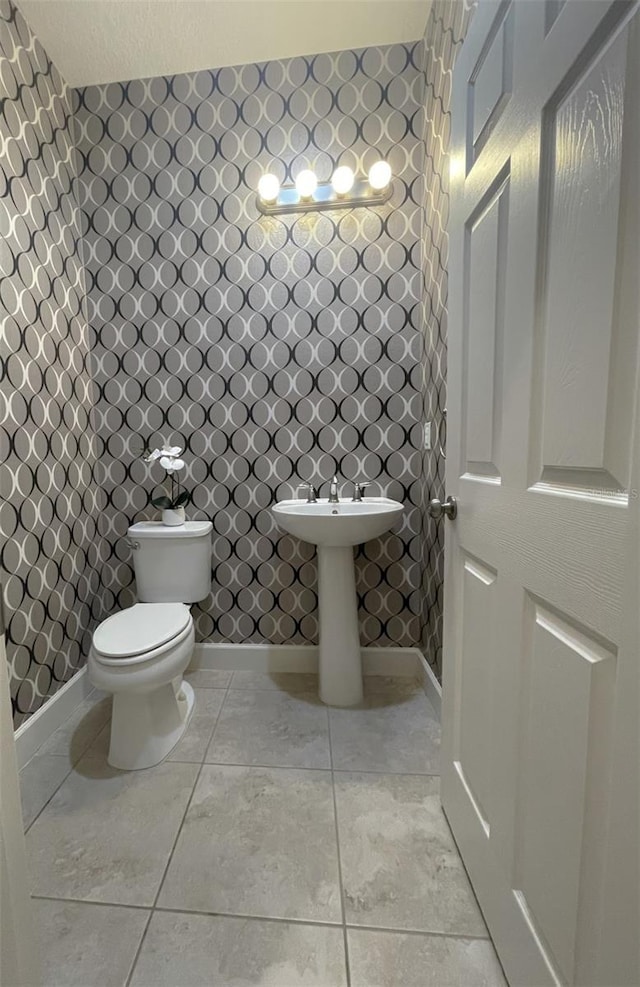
311,492
358,491
333,491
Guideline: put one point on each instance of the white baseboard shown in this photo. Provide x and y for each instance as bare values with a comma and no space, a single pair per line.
256,657
32,734
430,684
300,658
404,662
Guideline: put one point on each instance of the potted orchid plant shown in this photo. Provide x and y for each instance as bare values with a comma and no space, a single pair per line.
172,502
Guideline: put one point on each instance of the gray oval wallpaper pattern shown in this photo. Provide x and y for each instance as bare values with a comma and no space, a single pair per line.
274,349
146,299
51,548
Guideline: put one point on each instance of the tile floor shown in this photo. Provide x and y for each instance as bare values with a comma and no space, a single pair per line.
282,843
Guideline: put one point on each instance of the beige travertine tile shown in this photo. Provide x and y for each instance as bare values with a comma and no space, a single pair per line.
394,729
257,841
80,730
208,678
194,950
106,835
400,865
271,728
392,685
290,682
39,779
86,945
194,743
99,749
388,959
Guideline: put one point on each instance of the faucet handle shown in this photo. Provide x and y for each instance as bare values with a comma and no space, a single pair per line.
358,490
311,491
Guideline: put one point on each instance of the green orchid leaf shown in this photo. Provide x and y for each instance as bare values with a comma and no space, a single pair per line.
163,502
182,499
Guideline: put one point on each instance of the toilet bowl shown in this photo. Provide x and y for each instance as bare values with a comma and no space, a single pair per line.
141,653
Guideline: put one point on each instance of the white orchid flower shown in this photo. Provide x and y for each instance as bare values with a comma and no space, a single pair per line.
172,465
170,451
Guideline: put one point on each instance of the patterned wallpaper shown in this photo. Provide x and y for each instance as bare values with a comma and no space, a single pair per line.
51,552
275,349
445,31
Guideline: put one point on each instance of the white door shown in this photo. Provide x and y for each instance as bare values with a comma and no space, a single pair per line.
18,961
541,647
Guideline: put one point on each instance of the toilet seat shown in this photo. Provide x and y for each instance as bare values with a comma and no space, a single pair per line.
141,632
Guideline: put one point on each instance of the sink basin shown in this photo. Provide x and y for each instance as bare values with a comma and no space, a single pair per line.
335,529
343,524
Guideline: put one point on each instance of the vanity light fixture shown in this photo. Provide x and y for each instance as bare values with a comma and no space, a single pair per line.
268,188
342,180
306,184
344,191
379,175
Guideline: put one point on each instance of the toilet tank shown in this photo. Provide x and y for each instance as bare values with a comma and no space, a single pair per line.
172,564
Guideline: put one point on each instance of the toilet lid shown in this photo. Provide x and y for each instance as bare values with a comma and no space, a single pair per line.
140,628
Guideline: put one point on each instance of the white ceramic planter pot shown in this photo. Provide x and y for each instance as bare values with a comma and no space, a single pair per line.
173,516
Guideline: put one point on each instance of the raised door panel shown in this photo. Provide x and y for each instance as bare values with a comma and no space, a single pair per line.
485,257
553,9
479,612
489,86
584,354
566,725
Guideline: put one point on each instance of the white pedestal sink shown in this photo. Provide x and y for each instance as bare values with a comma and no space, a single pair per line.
335,529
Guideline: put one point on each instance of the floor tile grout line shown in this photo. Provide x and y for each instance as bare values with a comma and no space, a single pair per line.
282,919
264,767
212,731
438,934
306,767
53,794
278,919
91,901
277,692
188,806
345,938
302,767
72,764
215,725
195,911
139,948
175,843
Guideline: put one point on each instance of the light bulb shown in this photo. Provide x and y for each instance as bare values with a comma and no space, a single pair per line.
268,188
306,184
343,179
379,175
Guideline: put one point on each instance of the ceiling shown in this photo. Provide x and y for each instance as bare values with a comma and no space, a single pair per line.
94,41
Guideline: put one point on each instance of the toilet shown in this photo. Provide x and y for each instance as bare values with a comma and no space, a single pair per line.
141,653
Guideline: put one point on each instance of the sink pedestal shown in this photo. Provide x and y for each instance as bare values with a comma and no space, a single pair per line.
335,528
340,667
